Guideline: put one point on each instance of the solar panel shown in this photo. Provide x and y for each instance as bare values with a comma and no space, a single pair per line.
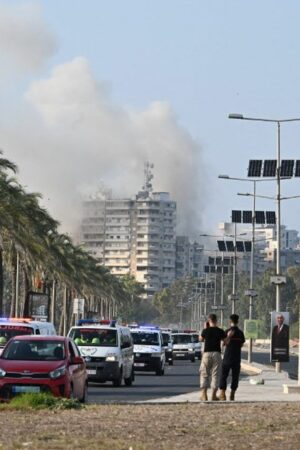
219,269
211,261
270,166
206,269
218,261
248,246
236,216
221,246
230,246
297,171
226,261
240,246
247,216
270,217
287,168
212,269
260,217
225,270
254,169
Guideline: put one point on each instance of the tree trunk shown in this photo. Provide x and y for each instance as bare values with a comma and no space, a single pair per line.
13,291
26,311
1,283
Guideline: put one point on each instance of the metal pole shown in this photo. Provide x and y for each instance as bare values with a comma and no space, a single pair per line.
299,350
52,315
222,290
252,269
278,267
65,311
215,290
234,273
17,286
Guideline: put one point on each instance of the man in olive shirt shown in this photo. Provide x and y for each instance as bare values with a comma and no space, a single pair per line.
210,368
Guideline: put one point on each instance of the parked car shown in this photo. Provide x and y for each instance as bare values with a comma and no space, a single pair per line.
42,364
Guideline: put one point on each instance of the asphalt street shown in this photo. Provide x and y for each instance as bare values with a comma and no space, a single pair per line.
181,378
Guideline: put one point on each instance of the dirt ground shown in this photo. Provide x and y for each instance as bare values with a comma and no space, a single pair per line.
141,427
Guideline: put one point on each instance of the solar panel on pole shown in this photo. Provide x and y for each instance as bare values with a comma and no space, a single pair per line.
230,246
236,216
212,269
254,169
218,261
270,217
260,217
221,246
206,269
240,246
247,216
226,261
270,166
225,270
248,246
297,171
287,167
211,261
219,269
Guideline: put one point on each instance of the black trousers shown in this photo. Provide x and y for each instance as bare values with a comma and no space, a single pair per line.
235,368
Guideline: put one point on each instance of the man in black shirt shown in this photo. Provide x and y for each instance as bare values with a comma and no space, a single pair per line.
232,358
211,358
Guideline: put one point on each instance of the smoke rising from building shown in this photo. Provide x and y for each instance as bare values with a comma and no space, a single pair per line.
68,136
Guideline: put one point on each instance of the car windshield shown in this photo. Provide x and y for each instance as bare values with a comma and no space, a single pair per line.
182,338
33,350
166,338
95,337
9,331
144,338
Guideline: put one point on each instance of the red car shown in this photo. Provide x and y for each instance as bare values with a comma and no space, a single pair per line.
42,364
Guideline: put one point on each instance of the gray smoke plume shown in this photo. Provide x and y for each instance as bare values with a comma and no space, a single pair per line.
68,137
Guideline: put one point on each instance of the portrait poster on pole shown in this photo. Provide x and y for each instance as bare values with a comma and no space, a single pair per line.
280,335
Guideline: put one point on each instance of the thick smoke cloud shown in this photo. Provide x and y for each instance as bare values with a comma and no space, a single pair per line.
68,137
25,42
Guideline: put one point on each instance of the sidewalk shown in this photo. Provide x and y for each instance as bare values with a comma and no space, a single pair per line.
249,391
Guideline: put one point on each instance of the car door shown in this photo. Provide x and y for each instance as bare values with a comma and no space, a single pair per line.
77,372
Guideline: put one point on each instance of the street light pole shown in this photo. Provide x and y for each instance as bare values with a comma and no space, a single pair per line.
234,272
252,269
278,199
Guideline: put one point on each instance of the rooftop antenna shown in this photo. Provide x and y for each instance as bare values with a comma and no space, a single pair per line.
148,177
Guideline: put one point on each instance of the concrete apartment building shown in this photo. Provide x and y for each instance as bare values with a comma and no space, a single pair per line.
134,236
189,258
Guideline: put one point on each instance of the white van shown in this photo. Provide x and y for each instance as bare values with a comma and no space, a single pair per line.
149,352
183,346
108,350
19,326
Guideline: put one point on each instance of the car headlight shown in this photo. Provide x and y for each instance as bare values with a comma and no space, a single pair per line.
111,358
57,373
191,349
2,373
155,355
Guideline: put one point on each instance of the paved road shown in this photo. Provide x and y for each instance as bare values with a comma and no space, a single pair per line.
263,357
181,378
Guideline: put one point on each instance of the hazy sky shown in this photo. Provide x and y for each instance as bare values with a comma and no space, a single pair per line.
156,79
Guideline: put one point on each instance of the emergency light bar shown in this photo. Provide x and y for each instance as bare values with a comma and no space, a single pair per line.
111,323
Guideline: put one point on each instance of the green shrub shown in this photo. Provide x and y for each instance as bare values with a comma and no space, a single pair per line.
41,401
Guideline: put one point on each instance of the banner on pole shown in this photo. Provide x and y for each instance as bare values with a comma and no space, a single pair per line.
280,335
251,329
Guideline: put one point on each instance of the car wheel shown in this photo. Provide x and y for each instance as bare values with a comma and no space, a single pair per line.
84,399
160,371
193,359
118,380
171,362
128,381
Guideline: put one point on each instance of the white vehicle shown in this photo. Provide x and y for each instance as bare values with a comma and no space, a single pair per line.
149,353
168,346
183,346
19,326
197,345
108,350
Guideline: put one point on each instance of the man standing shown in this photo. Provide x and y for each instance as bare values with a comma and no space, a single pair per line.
280,340
232,358
211,361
